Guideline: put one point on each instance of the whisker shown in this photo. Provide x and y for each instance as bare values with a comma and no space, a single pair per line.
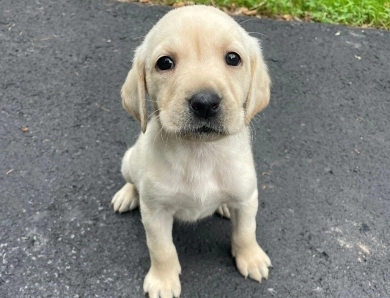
252,130
166,141
158,133
152,114
263,114
244,21
138,37
258,33
155,137
177,136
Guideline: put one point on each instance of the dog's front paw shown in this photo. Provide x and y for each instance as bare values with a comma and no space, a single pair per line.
252,261
162,284
125,199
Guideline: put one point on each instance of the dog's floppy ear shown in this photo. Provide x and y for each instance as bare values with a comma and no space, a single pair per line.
134,89
259,91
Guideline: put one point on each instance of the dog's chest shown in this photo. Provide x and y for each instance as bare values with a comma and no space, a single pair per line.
198,188
197,196
192,179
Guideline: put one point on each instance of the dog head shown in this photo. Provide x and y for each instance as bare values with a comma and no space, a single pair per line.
204,74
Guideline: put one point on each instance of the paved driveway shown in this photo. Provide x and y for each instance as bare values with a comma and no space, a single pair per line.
322,151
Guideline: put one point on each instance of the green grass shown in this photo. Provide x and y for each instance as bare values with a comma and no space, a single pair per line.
366,13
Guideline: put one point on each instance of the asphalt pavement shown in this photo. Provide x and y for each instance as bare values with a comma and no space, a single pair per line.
322,150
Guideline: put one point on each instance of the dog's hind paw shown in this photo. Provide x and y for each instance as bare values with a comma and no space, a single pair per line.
126,199
223,210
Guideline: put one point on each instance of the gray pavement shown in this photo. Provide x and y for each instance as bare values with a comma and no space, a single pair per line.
322,152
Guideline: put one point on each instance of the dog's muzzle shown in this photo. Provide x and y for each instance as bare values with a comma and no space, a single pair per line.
206,119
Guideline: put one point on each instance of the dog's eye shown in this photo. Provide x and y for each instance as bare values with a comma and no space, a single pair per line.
165,63
232,59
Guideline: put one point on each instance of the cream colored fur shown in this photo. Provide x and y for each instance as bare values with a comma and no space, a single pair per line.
188,177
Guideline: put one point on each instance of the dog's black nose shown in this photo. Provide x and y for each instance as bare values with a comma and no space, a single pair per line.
205,104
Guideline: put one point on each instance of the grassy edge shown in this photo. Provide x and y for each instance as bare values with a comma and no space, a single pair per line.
306,11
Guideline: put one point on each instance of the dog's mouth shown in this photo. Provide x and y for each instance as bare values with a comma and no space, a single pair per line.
203,131
207,130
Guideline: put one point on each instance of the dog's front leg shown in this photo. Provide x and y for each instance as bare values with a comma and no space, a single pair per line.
162,279
251,260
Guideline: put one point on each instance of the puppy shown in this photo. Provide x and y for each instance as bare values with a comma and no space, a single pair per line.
206,79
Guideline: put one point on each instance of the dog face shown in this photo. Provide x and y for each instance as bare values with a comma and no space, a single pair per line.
203,73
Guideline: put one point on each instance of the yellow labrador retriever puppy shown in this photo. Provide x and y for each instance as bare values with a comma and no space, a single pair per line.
206,79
